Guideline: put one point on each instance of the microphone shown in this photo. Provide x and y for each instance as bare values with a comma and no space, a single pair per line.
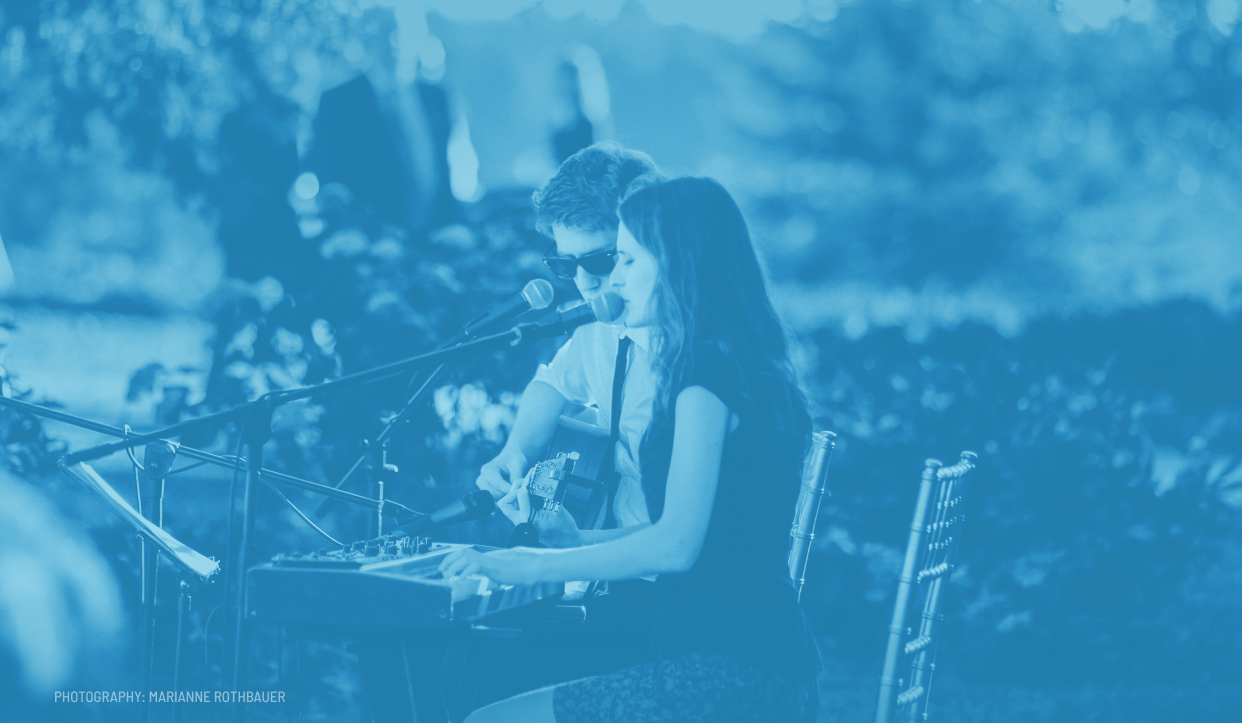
474,506
605,308
537,294
608,307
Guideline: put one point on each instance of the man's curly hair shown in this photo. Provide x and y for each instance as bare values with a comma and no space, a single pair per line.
586,189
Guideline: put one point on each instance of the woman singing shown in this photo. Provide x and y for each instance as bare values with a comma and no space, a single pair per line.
720,469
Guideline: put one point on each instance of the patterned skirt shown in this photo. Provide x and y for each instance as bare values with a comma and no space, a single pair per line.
703,687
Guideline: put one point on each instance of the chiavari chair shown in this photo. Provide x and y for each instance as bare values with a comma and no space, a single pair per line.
909,660
814,487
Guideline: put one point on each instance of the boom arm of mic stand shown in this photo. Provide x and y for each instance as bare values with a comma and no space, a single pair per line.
128,442
431,358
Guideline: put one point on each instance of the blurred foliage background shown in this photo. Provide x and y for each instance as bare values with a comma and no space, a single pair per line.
993,225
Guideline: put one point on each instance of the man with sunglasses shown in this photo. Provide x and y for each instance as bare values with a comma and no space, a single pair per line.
578,210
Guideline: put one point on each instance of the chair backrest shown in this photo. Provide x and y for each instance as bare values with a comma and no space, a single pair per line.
814,485
910,657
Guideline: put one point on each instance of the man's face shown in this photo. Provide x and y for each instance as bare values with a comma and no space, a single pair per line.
576,243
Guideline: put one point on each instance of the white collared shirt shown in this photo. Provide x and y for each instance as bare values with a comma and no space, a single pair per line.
582,372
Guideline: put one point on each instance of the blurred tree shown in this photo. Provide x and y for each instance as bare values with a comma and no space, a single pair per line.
574,130
385,139
981,141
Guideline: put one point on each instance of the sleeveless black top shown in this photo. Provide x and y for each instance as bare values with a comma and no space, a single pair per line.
738,599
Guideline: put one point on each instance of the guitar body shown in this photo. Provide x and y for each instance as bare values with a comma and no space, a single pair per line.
570,475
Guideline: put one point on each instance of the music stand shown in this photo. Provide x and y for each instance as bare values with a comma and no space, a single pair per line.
193,565
190,561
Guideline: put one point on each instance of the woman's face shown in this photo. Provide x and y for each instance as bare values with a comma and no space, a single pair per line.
634,279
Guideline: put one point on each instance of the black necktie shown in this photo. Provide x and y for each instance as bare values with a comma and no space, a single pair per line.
614,478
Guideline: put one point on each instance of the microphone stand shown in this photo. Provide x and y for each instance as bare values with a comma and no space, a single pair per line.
151,506
376,457
376,454
256,430
255,433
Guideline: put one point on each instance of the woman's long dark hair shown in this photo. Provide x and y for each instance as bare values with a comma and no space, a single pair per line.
710,287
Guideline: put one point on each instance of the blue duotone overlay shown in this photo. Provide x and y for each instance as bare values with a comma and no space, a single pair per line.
1001,227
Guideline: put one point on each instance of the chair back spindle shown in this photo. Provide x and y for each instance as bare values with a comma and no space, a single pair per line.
931,549
814,486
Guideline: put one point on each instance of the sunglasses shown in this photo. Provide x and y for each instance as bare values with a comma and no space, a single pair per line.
599,263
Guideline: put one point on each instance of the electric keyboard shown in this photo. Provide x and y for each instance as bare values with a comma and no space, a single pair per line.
385,583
